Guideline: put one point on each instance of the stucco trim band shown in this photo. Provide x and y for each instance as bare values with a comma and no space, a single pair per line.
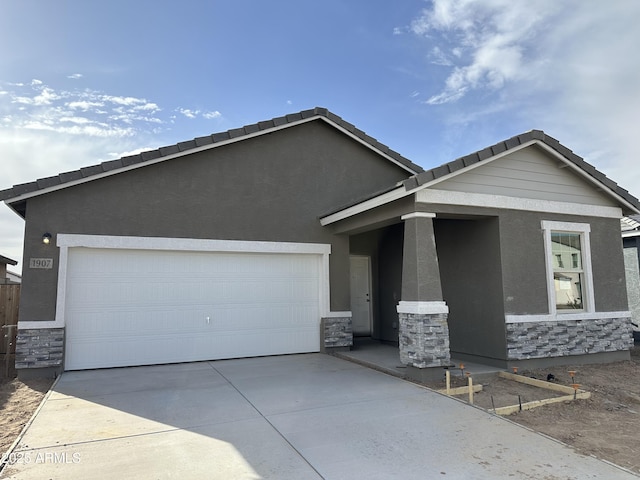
565,316
428,195
417,215
422,308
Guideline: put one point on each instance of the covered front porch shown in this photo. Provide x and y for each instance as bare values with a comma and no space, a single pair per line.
426,289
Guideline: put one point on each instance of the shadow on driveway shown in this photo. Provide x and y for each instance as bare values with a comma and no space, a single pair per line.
297,416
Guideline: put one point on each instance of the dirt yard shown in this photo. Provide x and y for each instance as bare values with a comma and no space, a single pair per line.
18,401
606,426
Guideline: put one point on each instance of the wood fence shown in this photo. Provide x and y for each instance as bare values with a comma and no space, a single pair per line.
9,302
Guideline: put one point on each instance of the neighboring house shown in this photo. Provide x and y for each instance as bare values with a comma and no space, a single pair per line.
293,234
13,277
631,243
5,275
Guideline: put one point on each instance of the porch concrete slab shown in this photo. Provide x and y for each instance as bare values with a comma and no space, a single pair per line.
297,416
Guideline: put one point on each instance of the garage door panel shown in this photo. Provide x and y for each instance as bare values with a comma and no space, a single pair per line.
145,307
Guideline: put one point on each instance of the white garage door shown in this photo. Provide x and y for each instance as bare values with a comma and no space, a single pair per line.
139,307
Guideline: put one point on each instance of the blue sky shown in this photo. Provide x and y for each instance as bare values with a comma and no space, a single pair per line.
83,82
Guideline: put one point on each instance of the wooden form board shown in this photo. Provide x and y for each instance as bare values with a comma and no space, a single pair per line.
571,394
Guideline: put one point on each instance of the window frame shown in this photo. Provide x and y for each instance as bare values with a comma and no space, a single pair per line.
584,230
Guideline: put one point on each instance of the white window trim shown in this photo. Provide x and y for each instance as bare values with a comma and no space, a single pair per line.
66,241
587,289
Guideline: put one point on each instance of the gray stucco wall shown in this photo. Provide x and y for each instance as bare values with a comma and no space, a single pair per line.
523,263
471,274
270,188
524,276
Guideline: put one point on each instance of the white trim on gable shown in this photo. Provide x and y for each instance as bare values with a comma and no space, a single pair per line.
209,147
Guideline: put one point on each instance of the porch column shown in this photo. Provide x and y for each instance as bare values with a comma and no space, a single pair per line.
422,313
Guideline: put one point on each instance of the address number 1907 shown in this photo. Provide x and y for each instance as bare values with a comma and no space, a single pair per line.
41,263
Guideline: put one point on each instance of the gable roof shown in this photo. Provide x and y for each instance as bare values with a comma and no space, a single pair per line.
448,170
16,195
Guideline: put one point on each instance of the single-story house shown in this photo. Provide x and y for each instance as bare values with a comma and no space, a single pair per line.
297,233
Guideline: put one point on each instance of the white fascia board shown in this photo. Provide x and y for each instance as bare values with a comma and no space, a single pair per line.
448,197
388,197
203,148
630,233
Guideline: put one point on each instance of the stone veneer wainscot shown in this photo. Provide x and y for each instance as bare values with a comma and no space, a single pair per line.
568,337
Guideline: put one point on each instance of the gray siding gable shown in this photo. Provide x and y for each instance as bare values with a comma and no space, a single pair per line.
589,172
530,173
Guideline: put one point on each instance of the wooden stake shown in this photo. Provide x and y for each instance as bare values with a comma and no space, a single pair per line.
471,390
447,376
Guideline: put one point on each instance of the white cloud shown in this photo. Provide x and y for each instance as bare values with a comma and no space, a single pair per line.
45,131
485,42
84,105
570,68
37,106
187,112
37,153
75,76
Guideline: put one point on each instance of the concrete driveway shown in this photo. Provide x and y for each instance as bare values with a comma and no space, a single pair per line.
290,417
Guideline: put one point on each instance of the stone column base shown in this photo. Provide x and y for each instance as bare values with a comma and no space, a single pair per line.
424,339
336,333
39,348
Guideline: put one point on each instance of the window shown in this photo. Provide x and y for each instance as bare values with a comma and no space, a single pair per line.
567,281
569,285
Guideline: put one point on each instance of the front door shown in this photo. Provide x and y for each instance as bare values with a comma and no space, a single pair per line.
361,295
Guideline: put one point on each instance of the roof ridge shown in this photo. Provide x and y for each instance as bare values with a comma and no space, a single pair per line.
199,142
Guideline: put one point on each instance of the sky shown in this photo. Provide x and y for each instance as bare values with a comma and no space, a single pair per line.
85,82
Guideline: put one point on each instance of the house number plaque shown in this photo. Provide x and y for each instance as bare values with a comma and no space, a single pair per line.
45,263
